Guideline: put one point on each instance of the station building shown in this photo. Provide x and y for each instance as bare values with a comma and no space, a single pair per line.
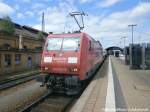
22,51
114,50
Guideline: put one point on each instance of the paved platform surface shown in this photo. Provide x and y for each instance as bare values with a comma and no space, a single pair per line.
132,87
116,88
93,98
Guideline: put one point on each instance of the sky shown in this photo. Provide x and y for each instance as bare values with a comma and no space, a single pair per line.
106,20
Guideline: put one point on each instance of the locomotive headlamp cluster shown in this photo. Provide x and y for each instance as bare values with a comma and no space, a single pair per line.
75,69
46,68
47,59
72,59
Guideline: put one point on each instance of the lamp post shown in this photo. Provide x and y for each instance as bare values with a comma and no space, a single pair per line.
131,48
132,26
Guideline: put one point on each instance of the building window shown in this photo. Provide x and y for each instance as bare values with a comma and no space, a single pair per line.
25,47
6,46
7,60
17,59
38,48
0,60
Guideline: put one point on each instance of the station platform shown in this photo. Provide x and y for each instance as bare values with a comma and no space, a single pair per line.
116,88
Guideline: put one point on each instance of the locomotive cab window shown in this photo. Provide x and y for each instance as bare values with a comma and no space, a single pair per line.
65,44
71,44
54,44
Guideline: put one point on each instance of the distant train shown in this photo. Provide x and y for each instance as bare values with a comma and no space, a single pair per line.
68,60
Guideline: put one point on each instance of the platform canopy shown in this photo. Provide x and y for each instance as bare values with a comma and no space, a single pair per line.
114,48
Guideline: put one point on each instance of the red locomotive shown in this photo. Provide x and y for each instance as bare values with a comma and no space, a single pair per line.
68,60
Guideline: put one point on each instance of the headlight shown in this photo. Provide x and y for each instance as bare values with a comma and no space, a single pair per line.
47,59
46,68
72,59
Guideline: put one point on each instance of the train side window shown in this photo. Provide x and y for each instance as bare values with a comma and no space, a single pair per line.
90,45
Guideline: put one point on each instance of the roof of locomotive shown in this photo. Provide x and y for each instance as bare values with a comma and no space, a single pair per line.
66,34
75,34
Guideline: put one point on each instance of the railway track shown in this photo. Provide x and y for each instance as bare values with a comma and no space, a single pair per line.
16,81
50,103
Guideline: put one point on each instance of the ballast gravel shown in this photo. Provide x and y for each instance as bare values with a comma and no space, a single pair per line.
21,98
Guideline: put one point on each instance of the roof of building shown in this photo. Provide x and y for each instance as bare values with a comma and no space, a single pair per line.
27,30
114,48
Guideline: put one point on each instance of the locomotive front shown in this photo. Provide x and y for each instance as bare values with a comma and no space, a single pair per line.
60,62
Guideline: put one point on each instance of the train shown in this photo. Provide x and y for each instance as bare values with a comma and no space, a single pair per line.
69,60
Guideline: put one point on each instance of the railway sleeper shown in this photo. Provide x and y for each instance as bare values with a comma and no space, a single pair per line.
55,101
44,107
52,105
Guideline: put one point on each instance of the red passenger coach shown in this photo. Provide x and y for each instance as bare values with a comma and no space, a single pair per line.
68,60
